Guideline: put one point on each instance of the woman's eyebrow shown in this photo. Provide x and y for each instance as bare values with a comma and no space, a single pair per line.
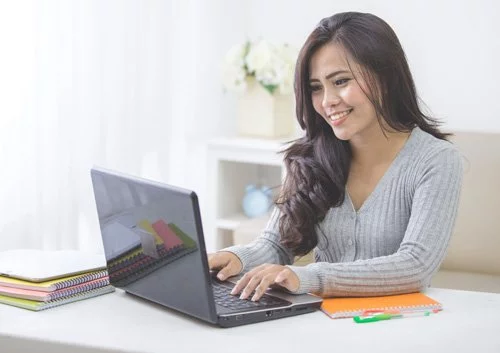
330,75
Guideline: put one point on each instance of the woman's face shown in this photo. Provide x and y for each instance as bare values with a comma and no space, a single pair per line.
337,96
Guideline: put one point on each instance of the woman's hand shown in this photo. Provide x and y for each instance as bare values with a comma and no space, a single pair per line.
262,277
227,264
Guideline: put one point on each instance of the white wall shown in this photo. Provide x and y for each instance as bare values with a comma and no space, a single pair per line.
200,108
453,48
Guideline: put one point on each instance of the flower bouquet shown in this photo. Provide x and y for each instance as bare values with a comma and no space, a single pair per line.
263,75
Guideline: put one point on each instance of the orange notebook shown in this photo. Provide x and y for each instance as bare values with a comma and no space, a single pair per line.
349,307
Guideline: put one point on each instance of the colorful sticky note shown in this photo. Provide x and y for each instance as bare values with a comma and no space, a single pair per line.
170,239
186,239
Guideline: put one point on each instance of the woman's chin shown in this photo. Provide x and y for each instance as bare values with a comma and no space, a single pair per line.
341,133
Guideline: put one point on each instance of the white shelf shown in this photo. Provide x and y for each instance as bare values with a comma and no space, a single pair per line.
231,223
248,150
251,143
234,163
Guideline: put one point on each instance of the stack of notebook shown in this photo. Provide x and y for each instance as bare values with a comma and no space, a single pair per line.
38,280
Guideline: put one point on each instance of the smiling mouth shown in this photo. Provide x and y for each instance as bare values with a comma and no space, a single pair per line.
338,116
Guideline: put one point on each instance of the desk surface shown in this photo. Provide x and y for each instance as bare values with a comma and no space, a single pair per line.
470,322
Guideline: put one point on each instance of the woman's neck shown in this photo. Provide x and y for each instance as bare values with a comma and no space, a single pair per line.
375,147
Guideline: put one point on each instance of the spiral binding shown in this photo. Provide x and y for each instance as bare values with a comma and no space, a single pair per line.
402,309
84,287
80,296
80,279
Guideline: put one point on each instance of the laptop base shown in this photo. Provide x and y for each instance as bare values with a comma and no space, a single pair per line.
265,315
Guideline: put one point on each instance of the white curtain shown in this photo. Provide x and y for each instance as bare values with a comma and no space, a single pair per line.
82,83
132,85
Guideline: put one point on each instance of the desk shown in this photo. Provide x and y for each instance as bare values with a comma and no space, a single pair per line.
114,322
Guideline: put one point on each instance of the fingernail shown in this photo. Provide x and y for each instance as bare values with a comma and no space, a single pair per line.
220,276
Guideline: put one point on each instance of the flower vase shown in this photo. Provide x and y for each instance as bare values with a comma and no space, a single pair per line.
262,114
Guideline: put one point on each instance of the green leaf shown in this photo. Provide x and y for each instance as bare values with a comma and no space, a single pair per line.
269,88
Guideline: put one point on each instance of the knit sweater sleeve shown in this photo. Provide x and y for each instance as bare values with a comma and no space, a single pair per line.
265,249
433,212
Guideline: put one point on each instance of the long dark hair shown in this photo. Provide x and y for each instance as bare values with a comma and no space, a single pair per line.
318,163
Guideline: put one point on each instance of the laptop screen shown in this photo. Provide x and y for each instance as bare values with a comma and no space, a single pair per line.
153,242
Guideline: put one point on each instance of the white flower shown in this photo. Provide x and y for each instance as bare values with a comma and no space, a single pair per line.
234,78
236,55
271,66
260,55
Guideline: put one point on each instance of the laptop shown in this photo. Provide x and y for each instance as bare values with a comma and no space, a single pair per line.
153,242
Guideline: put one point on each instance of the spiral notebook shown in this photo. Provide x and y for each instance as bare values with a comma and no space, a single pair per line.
348,307
37,306
42,296
52,285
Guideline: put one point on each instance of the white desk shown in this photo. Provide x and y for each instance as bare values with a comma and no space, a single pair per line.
120,322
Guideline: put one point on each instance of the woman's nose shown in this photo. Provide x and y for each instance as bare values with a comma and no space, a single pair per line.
330,98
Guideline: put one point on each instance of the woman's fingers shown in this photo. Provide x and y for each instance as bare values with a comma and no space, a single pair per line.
257,280
250,287
264,284
288,279
216,262
226,262
243,281
228,271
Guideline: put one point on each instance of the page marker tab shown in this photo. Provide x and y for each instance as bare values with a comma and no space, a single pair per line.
148,243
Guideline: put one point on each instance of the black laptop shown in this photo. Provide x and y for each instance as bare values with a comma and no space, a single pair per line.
153,241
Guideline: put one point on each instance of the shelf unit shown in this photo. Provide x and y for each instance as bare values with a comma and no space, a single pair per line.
232,164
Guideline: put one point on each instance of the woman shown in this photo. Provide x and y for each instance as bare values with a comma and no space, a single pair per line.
372,187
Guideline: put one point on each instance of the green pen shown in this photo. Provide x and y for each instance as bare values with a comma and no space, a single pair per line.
388,316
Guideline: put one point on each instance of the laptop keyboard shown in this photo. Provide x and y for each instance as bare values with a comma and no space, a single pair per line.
223,297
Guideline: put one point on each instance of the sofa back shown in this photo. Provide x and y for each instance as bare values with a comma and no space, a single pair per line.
475,243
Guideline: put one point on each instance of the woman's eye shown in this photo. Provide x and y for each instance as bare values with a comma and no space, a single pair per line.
315,88
341,81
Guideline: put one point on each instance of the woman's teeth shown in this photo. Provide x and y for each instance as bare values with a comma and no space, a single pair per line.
338,116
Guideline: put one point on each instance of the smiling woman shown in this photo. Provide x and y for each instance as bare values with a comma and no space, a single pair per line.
337,92
372,186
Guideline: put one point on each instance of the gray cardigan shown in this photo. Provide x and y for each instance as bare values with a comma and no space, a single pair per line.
394,243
